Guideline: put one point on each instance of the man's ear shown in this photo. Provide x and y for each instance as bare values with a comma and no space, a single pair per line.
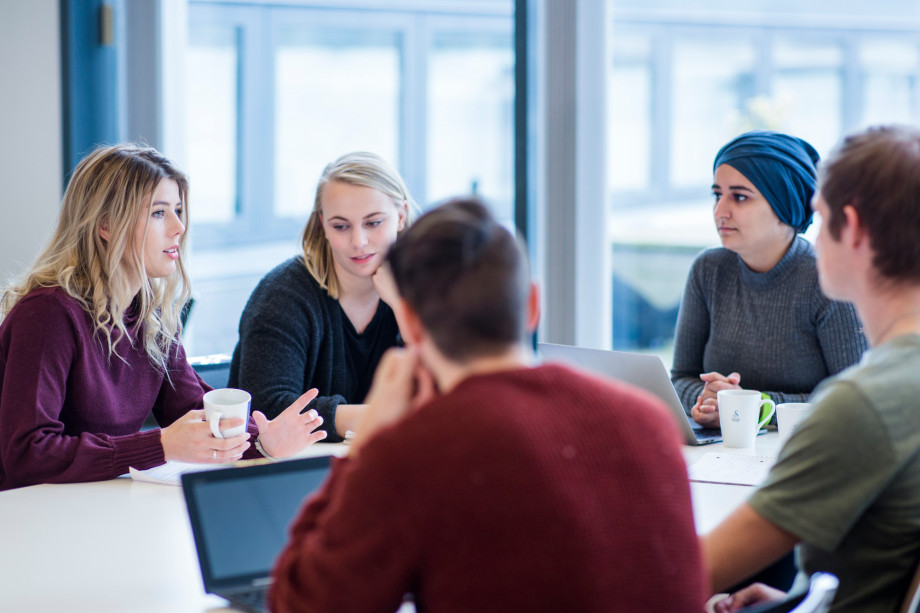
410,325
533,307
853,231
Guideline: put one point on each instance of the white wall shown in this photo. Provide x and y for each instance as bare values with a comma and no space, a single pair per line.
30,130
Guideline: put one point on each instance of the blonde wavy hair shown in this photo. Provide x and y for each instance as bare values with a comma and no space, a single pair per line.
109,190
357,168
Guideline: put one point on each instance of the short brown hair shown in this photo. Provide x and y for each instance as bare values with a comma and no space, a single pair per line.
877,172
466,277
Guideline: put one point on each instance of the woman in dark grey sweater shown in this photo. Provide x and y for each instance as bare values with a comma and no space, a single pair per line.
322,319
752,313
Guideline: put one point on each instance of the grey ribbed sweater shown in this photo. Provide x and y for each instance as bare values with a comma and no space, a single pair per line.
775,328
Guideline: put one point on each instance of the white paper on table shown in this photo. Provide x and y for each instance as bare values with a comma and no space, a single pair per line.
731,468
169,473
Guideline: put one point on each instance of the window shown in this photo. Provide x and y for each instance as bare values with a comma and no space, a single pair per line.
275,91
686,80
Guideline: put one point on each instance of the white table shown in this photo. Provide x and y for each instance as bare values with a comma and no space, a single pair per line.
713,502
123,545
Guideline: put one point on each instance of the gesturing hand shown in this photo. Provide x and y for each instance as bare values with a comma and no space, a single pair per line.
291,432
189,439
401,385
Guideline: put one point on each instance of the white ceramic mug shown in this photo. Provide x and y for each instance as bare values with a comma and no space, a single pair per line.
740,416
226,403
788,417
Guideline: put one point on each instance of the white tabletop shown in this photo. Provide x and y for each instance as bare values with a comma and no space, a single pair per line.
124,545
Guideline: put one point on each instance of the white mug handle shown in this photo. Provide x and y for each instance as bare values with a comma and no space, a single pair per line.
214,423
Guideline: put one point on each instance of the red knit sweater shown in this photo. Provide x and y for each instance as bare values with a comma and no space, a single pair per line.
532,490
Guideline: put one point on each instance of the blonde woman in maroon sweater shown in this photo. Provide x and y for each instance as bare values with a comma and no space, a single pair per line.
89,338
479,481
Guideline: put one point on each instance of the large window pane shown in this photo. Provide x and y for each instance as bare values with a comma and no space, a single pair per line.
890,82
212,71
711,82
808,100
335,92
629,128
470,115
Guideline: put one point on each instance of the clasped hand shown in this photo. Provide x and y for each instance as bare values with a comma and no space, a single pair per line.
401,385
706,410
189,438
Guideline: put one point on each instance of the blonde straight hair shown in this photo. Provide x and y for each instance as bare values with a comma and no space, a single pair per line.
358,168
110,188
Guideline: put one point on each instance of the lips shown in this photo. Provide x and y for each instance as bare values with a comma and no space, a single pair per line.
172,253
362,259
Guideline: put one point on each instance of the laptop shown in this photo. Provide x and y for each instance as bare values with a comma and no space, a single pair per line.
241,519
642,370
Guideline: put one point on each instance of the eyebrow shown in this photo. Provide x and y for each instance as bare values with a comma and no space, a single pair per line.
734,187
368,216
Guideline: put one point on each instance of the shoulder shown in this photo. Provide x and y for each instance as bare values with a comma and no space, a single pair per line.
287,282
713,260
47,305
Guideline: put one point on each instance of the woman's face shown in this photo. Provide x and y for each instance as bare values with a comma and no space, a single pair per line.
360,224
157,232
745,220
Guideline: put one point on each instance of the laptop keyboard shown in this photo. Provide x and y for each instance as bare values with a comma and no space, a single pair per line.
253,600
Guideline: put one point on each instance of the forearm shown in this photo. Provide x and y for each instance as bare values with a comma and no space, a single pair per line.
744,543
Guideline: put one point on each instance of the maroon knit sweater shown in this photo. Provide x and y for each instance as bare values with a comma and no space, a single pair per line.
532,490
70,413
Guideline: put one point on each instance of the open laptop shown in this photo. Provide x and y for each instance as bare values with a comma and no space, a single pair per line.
642,370
241,519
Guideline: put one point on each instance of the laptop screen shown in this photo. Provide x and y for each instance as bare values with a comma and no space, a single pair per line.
241,516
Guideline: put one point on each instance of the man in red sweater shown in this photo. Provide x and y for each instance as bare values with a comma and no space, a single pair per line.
479,481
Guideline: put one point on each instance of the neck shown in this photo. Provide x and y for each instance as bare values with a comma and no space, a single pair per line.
766,259
448,374
352,288
886,314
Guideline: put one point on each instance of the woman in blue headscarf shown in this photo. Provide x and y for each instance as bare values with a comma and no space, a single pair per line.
752,314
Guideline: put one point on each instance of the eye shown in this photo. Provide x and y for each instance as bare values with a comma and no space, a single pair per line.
179,210
716,196
158,213
375,223
339,227
740,197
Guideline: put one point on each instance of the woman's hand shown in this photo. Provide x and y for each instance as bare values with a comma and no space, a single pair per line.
752,594
385,285
706,410
291,432
189,439
401,385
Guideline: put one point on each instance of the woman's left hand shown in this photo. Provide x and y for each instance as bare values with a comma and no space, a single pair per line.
291,432
385,285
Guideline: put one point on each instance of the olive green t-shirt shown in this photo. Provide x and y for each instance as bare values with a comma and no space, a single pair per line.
847,483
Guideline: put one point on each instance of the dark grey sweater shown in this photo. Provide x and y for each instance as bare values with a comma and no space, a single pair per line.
775,328
294,337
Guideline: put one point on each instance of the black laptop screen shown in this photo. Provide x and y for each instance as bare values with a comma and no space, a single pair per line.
241,517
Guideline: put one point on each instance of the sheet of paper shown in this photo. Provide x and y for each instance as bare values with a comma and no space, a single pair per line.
731,468
171,472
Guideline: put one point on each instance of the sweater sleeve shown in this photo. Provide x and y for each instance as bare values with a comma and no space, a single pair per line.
336,542
280,331
40,346
691,335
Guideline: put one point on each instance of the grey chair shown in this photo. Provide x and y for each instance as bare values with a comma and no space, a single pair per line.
213,370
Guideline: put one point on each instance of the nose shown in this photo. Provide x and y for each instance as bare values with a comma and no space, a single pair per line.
358,237
177,227
722,209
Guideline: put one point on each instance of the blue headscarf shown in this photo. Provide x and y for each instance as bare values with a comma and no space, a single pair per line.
781,167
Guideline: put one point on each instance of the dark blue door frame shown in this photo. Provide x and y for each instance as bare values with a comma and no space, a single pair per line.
89,68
